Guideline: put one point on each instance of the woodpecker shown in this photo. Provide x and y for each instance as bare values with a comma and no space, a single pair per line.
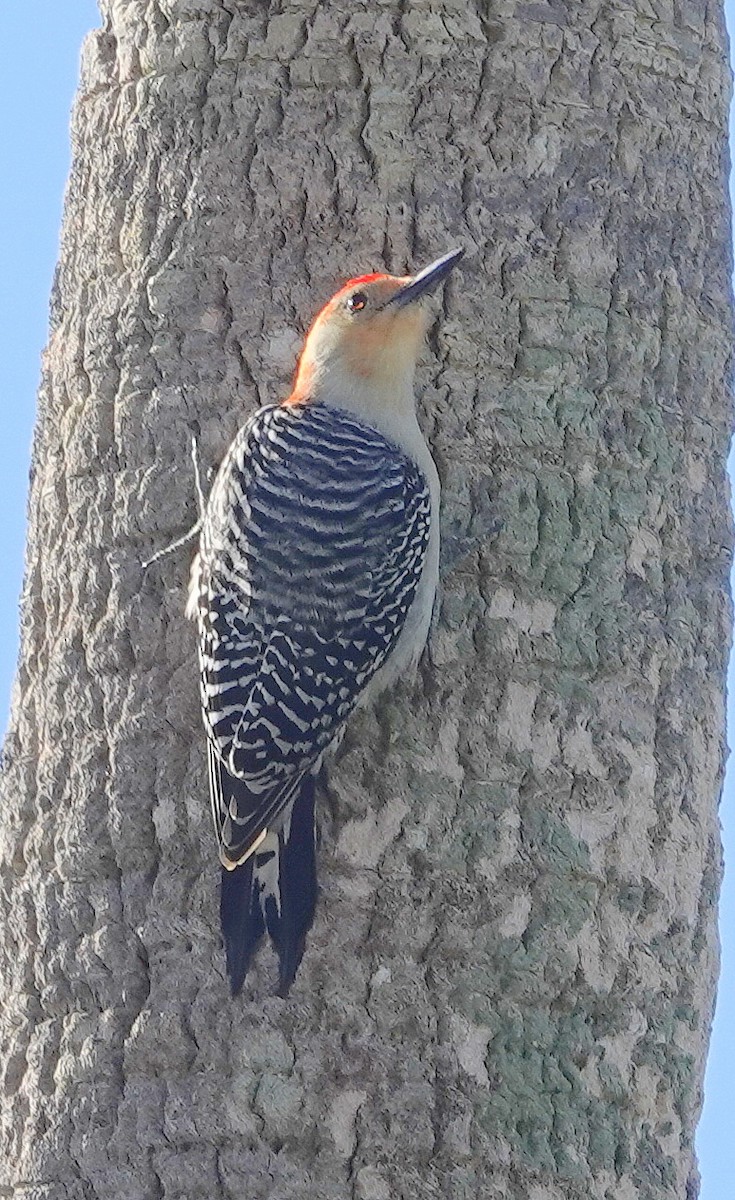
313,588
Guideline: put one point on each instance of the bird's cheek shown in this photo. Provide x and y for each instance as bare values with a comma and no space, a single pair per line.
365,349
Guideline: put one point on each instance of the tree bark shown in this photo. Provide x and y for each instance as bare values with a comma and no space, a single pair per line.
509,986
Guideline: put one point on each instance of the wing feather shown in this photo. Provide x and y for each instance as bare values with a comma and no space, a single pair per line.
313,544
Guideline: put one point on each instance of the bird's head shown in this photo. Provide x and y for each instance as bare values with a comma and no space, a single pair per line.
363,346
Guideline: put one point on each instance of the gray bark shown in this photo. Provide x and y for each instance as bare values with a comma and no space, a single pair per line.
509,986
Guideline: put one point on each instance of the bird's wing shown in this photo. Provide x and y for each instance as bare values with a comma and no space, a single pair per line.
313,545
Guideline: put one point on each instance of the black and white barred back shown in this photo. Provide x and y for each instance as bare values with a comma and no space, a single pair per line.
313,545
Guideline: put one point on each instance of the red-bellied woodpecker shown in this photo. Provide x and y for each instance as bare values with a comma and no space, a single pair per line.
313,587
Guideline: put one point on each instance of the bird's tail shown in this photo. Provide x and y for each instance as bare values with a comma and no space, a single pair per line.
274,890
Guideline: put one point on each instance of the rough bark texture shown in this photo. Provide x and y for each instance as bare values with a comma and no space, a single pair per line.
509,986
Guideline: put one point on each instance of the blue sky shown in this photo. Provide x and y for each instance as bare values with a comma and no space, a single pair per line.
38,72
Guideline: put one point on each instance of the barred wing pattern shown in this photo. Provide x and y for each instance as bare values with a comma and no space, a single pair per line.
313,545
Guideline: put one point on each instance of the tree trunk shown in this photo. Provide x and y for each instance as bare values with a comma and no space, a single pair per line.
509,985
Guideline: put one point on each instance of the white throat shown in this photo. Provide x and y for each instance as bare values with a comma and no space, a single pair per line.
391,412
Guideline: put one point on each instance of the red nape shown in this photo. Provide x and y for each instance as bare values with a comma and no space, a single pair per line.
359,279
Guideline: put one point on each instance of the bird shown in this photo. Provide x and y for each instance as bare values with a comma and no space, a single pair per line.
313,588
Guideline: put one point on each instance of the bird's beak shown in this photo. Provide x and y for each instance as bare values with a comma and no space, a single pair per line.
426,280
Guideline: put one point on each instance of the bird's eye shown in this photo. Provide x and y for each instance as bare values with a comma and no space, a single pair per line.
357,301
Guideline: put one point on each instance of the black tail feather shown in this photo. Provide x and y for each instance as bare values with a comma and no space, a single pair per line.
289,922
280,895
242,921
